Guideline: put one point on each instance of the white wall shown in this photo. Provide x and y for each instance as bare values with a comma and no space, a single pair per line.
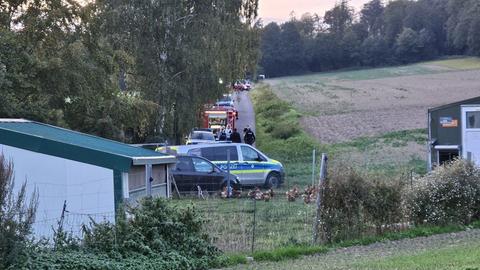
87,189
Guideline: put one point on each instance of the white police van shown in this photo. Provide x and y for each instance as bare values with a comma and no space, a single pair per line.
252,167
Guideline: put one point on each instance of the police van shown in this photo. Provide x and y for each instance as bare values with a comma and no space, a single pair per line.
252,167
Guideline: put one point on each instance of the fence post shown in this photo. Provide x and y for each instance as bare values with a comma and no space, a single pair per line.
254,223
323,176
313,167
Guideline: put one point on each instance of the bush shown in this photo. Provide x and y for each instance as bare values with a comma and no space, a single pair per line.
351,205
450,194
157,230
384,203
156,235
342,213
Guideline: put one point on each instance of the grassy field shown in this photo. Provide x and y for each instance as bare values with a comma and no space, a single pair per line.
456,256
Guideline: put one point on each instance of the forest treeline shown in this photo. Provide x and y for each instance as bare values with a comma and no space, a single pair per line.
135,71
397,32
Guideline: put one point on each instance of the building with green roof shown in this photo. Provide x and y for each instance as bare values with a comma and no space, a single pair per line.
89,175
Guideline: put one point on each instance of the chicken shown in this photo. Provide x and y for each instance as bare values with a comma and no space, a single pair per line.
292,194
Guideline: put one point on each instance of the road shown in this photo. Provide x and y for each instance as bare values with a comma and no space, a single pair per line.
246,114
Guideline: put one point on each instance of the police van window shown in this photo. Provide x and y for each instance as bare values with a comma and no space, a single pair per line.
195,152
249,154
219,153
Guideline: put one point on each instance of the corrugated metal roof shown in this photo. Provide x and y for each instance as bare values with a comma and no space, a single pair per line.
56,141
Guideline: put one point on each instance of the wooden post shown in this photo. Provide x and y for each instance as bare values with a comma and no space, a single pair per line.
323,176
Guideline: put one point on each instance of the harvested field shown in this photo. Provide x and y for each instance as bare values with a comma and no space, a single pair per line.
341,106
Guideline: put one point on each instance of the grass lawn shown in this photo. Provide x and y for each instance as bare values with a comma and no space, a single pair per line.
460,256
459,63
430,67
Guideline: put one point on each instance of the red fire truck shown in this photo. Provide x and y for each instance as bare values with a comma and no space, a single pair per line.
217,116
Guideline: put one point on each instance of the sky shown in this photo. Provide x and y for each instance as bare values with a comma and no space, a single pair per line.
279,10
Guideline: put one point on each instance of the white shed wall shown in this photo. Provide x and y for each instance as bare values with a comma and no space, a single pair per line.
87,189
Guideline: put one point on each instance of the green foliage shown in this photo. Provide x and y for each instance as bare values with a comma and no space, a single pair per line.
450,194
276,117
288,253
95,68
154,235
17,215
387,33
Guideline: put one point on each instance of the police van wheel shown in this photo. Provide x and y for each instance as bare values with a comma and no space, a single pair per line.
273,180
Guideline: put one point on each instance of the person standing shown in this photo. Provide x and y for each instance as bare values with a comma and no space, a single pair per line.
235,137
249,136
222,135
228,132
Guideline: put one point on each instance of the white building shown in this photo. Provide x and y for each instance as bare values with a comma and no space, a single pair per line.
90,175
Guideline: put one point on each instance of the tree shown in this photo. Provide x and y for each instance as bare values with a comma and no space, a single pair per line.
182,49
408,46
270,48
395,12
339,18
375,51
291,49
372,17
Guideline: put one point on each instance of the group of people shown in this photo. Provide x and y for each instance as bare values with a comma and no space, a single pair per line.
229,134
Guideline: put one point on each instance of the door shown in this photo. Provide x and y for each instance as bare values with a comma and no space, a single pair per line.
252,166
184,174
471,133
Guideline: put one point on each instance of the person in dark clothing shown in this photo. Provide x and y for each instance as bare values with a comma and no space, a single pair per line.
249,136
235,136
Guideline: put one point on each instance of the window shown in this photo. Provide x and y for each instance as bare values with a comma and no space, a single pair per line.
249,154
446,155
195,152
184,164
202,165
473,119
220,153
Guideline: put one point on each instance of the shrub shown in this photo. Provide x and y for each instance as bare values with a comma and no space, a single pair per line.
16,218
450,194
384,203
342,213
351,204
155,230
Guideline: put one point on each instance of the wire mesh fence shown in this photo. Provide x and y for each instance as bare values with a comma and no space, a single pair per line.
245,225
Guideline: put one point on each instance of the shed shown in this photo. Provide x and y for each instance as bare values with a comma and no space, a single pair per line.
454,131
88,175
